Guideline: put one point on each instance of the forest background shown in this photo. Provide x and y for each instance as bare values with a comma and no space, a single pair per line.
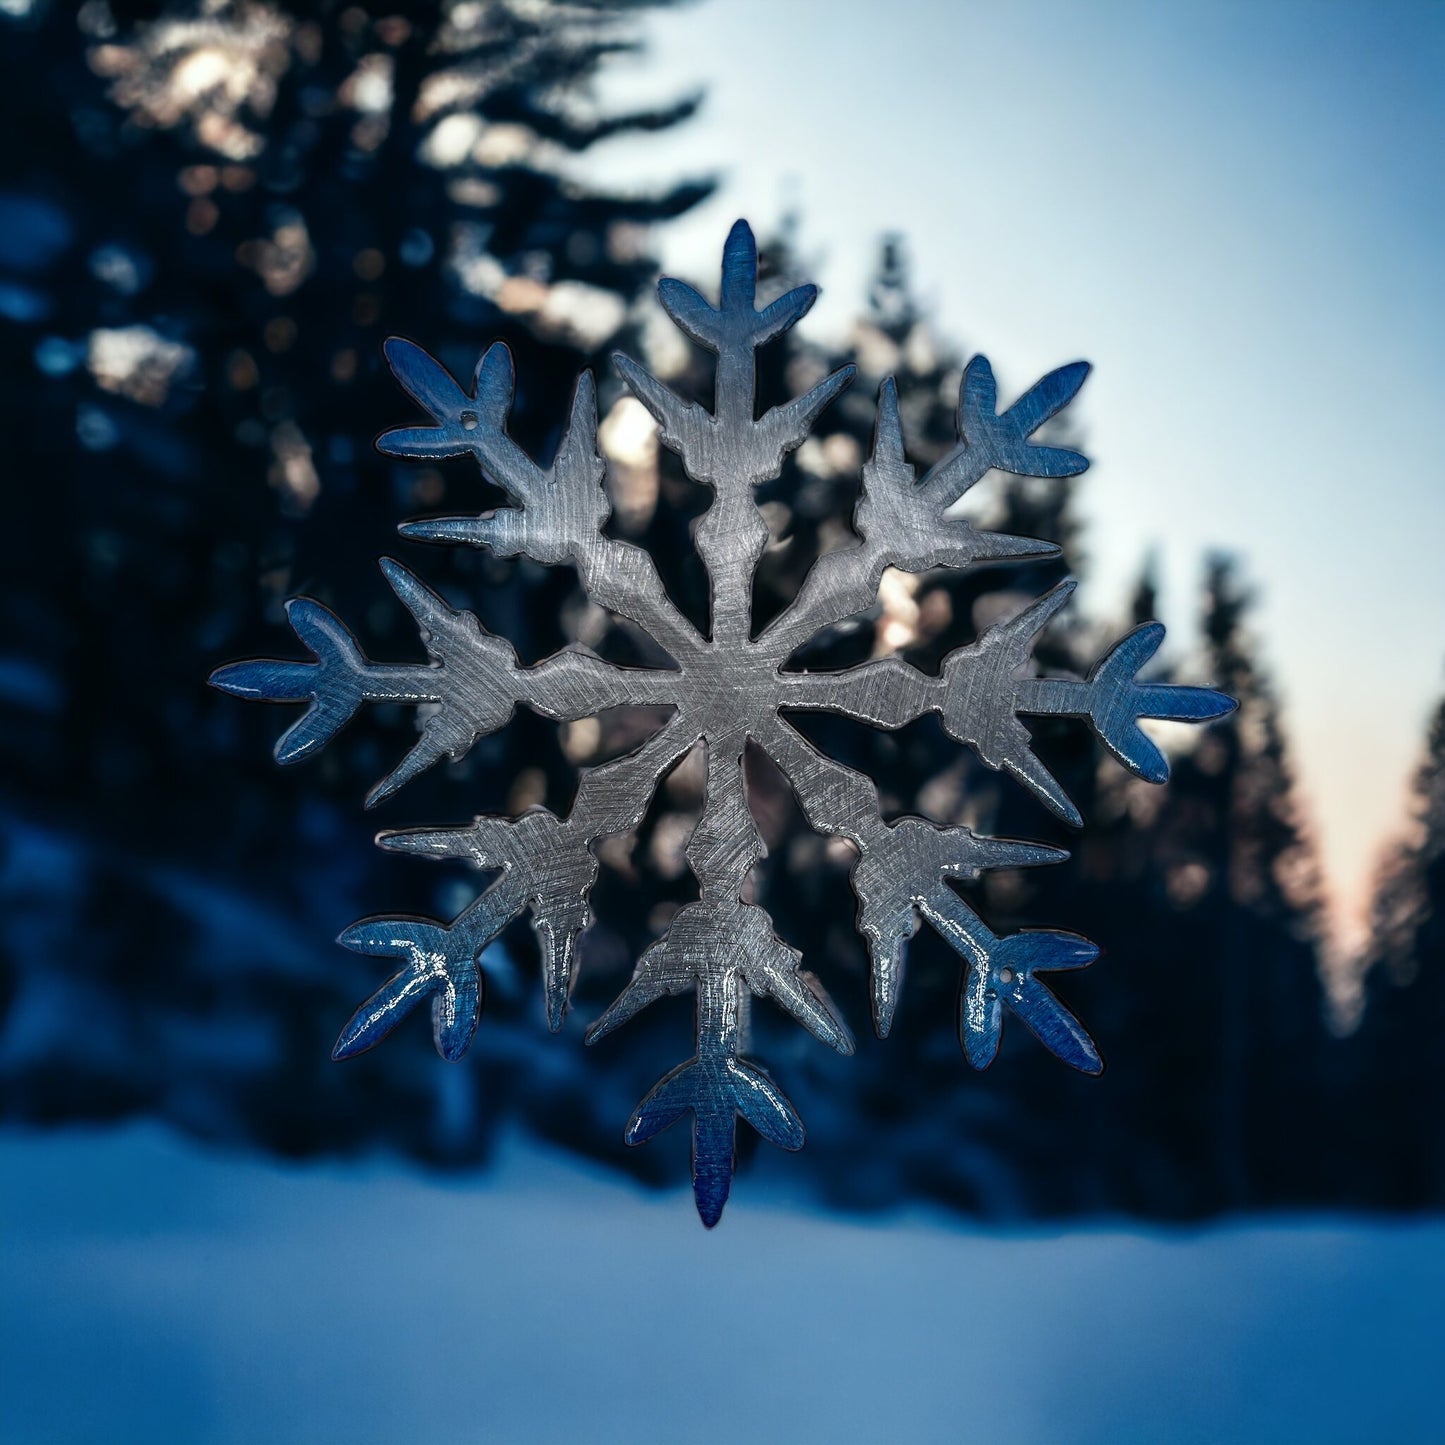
211,218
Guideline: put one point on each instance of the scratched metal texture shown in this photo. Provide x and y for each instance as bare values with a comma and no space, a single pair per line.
724,689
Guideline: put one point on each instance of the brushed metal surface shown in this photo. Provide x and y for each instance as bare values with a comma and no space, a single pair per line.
724,689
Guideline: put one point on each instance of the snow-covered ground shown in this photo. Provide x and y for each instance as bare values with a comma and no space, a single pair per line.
152,1290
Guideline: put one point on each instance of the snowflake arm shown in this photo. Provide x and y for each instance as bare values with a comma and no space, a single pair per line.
727,449
903,523
716,1087
473,681
543,862
560,510
901,872
442,963
981,696
723,950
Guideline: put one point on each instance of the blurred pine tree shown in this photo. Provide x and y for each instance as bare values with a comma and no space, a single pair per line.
221,211
1399,1050
219,220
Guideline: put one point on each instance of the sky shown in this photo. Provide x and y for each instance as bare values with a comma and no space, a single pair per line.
1234,211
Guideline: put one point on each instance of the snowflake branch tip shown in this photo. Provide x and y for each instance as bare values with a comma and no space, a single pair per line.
438,966
734,322
471,843
463,422
1114,701
334,684
716,1093
681,421
786,427
1007,979
739,269
449,531
1000,972
1003,440
708,325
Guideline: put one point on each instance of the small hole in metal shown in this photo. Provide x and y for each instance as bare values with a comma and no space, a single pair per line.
1005,976
469,420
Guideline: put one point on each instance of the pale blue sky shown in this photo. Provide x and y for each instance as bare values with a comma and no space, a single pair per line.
1234,211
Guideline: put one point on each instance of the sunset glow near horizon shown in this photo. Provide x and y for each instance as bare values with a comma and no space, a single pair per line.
1235,213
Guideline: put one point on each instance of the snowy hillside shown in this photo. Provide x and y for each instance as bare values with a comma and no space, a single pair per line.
154,1291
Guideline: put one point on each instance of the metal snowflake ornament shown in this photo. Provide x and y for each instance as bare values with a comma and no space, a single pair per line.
727,688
